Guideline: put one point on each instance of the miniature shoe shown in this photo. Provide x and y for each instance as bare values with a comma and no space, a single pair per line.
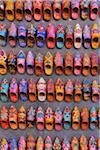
65,9
32,90
48,143
30,143
83,143
4,87
75,118
21,62
57,10
12,35
57,144
40,119
48,63
86,90
92,143
31,117
86,64
84,118
38,64
23,89
13,144
69,37
77,64
93,118
4,144
77,91
75,11
19,13
2,11
84,9
49,119
58,119
10,10
22,118
4,122
50,90
13,117
65,144
67,118
3,62
30,62
40,143
22,143
68,63
74,143
68,91
94,9
86,36
77,36
47,10
31,35
28,10
95,91
94,64
58,60
3,35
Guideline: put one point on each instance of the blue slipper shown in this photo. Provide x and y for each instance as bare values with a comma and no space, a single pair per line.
67,118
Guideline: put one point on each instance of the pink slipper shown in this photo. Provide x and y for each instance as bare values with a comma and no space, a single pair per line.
94,9
40,118
77,36
77,64
75,9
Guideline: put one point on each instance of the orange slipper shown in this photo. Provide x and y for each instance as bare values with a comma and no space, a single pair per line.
68,63
84,118
32,90
57,10
38,64
77,91
39,144
65,9
30,143
68,91
94,64
3,62
86,65
74,143
22,118
58,63
50,90
4,118
10,10
95,91
2,10
83,143
47,10
19,13
75,118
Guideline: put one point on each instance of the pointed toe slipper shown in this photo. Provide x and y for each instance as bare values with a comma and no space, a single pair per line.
23,89
40,119
31,117
22,118
32,90
67,118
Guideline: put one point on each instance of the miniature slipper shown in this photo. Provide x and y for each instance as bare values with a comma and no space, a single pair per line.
69,37
95,91
4,122
93,118
41,88
84,118
21,62
47,10
67,118
49,119
94,64
48,143
3,62
13,117
84,9
30,143
31,35
74,143
38,64
86,90
40,119
68,63
58,119
92,143
75,118
57,144
2,11
30,62
19,13
75,9
77,64
83,143
23,89
58,60
57,10
86,64
50,90
65,144
28,10
86,36
60,36
22,143
65,9
3,35
95,35
98,117
94,9
77,36
37,11
77,91
13,144
13,90
39,143
32,90
41,35
22,35
12,63
4,88
10,10
4,144
48,63
22,118
59,90
68,91
12,35
31,117
50,40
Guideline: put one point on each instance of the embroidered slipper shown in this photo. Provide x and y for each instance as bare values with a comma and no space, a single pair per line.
28,10
30,62
23,89
4,87
57,144
68,63
75,118
22,143
94,64
58,119
50,40
3,62
3,35
65,144
92,143
77,64
12,35
4,122
94,9
37,9
93,118
68,91
86,64
86,36
77,91
4,144
98,117
38,64
48,63
77,36
41,88
58,60
31,35
48,143
83,143
95,91
65,9
69,37
47,10
84,9
2,10
39,143
60,36
57,10
75,10
50,90
30,143
32,90
19,13
21,62
10,10
67,118
12,63
49,119
31,117
22,118
40,119
13,90
74,143
84,118
13,144
86,89
13,117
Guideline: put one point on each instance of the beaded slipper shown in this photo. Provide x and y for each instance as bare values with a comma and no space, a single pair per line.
22,143
10,10
57,144
67,118
84,118
30,143
65,144
40,119
48,143
75,118
3,35
19,13
40,143
38,64
31,117
74,143
47,10
50,90
30,62
3,62
22,118
23,89
77,91
95,91
94,64
93,118
57,10
4,120
68,63
58,60
65,9
86,64
83,143
31,35
86,90
68,91
28,10
32,90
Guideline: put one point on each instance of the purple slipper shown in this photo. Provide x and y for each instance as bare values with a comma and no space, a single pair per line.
86,36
